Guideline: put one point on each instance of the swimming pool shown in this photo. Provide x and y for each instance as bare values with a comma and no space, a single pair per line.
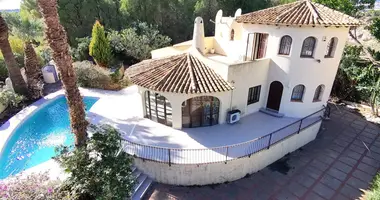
34,140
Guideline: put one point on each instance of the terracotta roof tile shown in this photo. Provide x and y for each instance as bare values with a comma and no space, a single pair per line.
299,13
177,74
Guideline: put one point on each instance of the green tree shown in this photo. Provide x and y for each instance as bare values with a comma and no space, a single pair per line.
137,42
349,7
207,9
375,28
100,47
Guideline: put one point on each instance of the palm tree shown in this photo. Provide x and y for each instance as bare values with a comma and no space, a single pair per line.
57,40
33,72
18,82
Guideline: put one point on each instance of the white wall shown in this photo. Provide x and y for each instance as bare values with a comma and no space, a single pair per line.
205,174
177,99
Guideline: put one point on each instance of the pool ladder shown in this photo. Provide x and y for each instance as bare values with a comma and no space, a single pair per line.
142,185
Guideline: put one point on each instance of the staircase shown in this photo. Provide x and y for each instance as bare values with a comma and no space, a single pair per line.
142,185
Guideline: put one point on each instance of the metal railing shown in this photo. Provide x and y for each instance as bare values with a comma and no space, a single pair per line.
223,153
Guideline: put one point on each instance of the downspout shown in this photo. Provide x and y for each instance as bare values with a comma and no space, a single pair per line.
232,94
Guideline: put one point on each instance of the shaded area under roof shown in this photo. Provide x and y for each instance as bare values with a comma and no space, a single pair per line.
299,13
182,73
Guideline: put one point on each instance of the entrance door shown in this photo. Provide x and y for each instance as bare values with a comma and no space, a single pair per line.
274,96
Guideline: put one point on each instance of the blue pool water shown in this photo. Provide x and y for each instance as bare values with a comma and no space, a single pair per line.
35,139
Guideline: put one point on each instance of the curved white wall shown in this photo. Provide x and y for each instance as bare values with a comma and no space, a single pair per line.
213,173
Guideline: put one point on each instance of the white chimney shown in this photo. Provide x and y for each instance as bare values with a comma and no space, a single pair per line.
199,35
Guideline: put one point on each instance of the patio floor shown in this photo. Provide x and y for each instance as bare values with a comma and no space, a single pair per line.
123,110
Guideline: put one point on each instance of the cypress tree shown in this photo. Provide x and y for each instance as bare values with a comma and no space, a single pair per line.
100,48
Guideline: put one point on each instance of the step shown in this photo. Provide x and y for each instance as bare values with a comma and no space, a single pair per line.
136,173
142,189
271,112
139,181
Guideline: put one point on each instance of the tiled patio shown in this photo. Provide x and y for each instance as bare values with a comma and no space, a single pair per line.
339,164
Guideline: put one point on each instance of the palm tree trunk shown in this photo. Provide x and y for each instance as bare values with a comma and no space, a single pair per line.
14,72
33,72
57,40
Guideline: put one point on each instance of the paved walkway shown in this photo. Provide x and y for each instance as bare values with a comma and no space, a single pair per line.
339,164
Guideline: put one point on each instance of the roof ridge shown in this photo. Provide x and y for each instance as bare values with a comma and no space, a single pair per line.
312,9
278,18
282,5
193,85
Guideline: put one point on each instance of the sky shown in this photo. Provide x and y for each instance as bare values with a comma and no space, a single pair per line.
9,4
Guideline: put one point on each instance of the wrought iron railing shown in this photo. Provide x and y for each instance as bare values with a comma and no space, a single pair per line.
223,153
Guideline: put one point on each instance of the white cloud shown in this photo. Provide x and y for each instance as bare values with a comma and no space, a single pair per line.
9,4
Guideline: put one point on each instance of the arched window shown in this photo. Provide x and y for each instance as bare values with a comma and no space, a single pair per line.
318,93
232,36
308,47
298,92
285,45
331,47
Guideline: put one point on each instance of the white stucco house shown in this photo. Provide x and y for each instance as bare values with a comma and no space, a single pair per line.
281,60
275,67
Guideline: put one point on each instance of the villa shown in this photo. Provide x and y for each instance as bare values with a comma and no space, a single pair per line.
271,69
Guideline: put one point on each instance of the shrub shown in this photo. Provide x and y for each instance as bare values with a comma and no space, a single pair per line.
100,46
3,70
99,170
34,186
92,76
81,52
9,98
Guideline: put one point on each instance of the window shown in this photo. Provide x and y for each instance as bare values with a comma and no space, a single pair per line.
331,47
285,45
298,92
232,36
256,46
318,93
254,95
308,47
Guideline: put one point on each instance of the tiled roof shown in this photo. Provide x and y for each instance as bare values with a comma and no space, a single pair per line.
182,73
299,13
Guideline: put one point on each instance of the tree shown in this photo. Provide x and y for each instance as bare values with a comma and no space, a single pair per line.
349,7
30,31
137,42
18,82
57,40
100,46
33,72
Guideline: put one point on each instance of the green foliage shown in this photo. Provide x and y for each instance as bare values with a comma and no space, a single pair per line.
350,7
78,16
99,46
375,28
99,170
3,70
11,99
374,192
137,42
81,52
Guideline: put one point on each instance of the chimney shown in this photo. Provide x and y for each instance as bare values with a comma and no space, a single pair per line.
199,35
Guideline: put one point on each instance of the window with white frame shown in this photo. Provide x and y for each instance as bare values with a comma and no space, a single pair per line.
297,94
318,93
254,95
308,47
285,45
331,47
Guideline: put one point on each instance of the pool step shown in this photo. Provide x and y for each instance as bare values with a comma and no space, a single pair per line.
142,185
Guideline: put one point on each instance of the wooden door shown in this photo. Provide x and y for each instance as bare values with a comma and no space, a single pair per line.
274,96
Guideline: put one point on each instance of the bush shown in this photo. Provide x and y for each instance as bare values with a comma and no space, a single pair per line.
81,52
99,170
9,98
92,76
34,186
3,70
